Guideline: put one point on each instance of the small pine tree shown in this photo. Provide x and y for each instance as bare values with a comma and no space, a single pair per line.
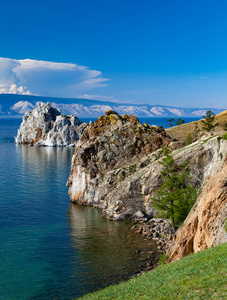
189,139
209,121
170,122
176,196
196,131
179,122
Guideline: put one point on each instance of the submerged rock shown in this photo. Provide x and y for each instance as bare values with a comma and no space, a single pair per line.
47,126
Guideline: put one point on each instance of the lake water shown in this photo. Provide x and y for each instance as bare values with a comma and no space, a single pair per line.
50,248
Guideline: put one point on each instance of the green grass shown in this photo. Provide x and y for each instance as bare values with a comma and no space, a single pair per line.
198,276
122,178
132,168
225,136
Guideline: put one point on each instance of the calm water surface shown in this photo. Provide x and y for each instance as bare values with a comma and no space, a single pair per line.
50,248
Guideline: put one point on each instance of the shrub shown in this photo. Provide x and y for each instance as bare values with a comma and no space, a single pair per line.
132,168
225,137
189,139
163,259
122,178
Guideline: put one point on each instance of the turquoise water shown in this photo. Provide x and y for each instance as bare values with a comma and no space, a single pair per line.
50,248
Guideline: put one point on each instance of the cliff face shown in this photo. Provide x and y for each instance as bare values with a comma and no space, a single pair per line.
47,126
107,145
205,224
115,165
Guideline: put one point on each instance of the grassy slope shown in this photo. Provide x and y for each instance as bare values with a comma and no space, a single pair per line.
180,132
198,276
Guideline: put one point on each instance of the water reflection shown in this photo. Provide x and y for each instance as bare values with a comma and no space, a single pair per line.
45,156
68,250
33,179
45,164
109,247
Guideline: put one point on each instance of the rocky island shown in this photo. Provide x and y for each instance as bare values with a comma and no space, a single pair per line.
47,126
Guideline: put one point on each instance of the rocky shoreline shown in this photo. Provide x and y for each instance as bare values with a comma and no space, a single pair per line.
160,232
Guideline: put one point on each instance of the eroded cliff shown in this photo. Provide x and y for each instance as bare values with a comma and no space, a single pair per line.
205,225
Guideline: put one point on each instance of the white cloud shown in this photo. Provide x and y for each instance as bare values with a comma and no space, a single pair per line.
14,89
47,78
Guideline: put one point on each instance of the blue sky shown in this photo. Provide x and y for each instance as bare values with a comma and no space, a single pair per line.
147,51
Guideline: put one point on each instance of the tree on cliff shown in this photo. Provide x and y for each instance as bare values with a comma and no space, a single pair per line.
170,122
209,121
180,121
176,196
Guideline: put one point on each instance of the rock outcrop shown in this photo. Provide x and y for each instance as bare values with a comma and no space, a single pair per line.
47,126
205,225
106,146
115,166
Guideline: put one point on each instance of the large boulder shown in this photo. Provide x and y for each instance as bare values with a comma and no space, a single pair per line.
47,126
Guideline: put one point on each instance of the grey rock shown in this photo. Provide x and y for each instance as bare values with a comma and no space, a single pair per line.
47,126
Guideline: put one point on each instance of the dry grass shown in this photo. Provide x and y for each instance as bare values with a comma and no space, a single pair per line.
180,132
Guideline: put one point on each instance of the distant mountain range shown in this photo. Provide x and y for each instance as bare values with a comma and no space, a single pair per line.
16,106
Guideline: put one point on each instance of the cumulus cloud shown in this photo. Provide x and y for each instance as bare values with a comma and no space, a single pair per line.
47,78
